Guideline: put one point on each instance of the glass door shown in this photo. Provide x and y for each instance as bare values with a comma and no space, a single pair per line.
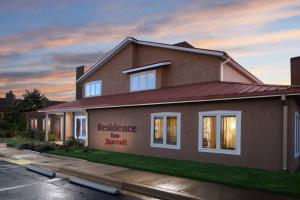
80,127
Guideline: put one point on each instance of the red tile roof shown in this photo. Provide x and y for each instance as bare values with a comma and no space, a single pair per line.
193,92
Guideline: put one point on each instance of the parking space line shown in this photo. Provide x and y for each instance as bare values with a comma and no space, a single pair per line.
52,180
25,185
15,187
9,167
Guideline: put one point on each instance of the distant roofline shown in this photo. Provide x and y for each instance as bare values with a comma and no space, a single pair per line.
128,40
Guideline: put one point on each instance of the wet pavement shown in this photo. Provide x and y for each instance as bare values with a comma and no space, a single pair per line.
18,183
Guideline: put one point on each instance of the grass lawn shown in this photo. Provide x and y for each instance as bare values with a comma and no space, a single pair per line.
271,181
15,141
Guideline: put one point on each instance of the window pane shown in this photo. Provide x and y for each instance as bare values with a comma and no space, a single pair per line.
134,83
49,124
151,81
83,127
143,82
77,127
228,132
172,130
93,89
87,90
97,88
158,130
209,132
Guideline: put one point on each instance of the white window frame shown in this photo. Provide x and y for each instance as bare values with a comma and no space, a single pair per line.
297,135
218,114
164,115
81,117
140,74
90,84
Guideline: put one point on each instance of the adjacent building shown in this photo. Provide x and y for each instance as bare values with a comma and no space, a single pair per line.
5,103
181,102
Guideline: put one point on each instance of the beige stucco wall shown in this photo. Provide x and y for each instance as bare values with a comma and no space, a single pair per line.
186,68
261,132
232,75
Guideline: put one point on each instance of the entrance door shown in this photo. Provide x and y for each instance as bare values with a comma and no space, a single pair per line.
80,127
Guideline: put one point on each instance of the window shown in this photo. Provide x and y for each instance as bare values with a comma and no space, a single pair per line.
297,134
80,127
165,130
143,81
93,89
44,124
33,124
219,132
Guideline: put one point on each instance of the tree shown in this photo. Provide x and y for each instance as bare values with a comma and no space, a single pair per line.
14,120
32,100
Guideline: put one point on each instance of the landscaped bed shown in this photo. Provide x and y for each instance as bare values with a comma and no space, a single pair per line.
271,181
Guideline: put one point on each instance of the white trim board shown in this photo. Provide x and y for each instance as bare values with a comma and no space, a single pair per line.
145,67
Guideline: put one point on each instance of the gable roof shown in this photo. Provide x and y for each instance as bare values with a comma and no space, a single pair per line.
129,40
184,44
199,92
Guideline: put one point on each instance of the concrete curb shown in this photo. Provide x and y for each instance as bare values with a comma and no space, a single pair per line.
95,186
157,192
125,185
43,171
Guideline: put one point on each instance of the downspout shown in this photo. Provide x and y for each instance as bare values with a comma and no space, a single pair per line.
284,131
222,68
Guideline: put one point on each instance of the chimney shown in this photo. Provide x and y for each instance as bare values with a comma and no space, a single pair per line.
79,73
10,97
295,71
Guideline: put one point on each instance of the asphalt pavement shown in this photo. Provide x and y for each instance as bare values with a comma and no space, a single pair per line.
17,183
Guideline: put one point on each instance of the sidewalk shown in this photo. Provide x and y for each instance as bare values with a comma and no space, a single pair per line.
147,183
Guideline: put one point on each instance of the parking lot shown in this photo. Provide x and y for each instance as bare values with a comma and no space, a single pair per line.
18,183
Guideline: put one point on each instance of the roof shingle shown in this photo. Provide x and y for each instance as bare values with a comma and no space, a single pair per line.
193,92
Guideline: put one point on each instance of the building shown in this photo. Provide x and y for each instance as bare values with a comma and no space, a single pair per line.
180,102
9,100
36,121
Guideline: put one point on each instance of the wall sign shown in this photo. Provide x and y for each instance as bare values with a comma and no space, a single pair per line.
117,128
115,138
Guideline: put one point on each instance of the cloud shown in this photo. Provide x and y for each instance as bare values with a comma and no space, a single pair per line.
77,58
236,26
253,39
271,74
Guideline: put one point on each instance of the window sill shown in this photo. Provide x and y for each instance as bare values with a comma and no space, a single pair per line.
81,138
166,146
229,152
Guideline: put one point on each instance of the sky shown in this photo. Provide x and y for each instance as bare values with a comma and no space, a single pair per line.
42,42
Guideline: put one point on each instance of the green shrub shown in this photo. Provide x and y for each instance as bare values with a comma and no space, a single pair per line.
53,137
7,133
85,149
71,142
28,146
44,148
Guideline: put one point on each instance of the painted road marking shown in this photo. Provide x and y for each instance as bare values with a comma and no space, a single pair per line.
21,161
21,186
5,167
12,167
